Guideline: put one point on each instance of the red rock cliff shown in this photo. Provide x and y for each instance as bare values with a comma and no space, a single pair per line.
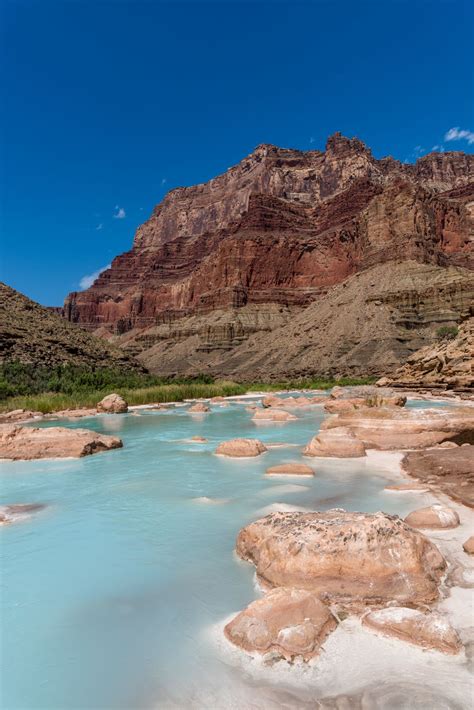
283,226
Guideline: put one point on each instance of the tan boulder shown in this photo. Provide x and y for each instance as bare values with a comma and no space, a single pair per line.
353,558
272,415
241,448
398,428
112,404
199,439
434,517
430,630
469,545
199,408
290,622
340,442
290,469
26,443
18,512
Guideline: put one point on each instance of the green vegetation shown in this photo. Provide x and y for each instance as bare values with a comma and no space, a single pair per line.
67,387
447,332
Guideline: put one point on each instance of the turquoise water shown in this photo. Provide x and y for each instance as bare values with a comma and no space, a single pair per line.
108,593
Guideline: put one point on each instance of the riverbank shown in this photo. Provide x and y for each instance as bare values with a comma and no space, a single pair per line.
48,402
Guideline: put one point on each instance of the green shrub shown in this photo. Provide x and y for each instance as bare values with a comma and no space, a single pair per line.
447,332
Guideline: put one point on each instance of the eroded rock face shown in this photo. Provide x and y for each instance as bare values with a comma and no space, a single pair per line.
290,622
446,363
450,470
272,415
346,404
397,428
112,404
430,630
199,407
434,517
280,227
290,469
238,448
340,442
25,443
352,558
16,513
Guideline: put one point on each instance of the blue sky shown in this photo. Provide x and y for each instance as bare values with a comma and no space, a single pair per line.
107,105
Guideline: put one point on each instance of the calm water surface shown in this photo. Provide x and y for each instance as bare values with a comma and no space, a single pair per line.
108,594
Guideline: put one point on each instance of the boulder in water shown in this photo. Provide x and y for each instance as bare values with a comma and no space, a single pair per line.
289,622
112,404
241,448
353,558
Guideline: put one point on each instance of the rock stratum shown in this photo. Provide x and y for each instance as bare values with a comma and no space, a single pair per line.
294,263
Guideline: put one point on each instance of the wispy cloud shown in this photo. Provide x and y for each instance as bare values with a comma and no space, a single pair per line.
99,227
164,181
88,280
439,148
419,150
120,213
459,134
311,140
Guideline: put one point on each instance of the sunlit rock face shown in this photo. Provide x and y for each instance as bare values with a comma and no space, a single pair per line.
26,443
289,622
400,428
282,227
353,558
430,630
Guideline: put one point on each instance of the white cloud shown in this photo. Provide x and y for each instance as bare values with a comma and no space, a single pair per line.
439,148
458,134
311,140
164,181
120,214
99,227
88,280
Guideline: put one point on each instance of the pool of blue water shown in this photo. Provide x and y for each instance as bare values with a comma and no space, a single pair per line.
107,594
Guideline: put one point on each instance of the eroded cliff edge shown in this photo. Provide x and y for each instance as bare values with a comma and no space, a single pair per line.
261,249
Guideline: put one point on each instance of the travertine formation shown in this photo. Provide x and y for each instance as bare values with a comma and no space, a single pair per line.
289,622
434,517
352,558
221,268
396,428
25,443
272,415
427,630
340,442
239,448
